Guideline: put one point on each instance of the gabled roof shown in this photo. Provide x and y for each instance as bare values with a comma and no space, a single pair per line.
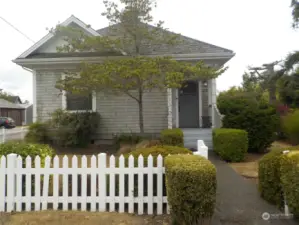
186,45
15,99
8,105
71,19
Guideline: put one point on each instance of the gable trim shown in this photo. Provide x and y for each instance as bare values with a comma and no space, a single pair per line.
71,19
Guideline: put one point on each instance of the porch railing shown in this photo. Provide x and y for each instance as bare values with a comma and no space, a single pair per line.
217,117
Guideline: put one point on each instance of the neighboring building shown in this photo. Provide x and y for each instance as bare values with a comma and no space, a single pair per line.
12,110
15,99
191,107
28,113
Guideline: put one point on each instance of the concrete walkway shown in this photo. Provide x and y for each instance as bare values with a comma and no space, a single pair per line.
238,201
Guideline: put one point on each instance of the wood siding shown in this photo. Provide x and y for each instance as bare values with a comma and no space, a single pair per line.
16,114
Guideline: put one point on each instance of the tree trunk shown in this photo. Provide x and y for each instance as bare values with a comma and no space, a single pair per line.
272,94
140,104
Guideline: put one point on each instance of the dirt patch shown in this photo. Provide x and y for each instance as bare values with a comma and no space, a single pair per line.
83,218
280,144
248,168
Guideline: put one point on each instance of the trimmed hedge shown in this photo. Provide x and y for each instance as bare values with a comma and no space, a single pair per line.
155,151
230,144
191,188
289,170
173,137
269,176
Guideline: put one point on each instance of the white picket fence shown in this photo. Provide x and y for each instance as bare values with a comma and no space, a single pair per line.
25,184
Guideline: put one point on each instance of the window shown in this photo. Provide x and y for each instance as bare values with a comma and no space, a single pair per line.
76,102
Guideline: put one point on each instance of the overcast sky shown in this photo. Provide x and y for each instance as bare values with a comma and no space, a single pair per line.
258,31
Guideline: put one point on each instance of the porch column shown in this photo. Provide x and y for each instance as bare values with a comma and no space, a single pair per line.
200,103
169,105
34,113
212,100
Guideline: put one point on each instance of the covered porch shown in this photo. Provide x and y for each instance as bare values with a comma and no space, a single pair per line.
193,109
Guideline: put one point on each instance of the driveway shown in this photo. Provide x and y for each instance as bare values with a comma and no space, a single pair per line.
17,133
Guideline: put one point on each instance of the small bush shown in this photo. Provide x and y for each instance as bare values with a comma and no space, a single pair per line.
173,137
26,149
230,144
125,138
38,133
191,188
289,170
73,129
269,176
290,126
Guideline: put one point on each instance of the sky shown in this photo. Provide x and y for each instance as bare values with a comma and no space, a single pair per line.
258,31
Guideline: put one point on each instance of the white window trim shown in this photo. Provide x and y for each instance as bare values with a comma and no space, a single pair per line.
64,101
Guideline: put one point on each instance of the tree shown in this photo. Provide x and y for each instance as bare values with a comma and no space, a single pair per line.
295,13
132,74
267,78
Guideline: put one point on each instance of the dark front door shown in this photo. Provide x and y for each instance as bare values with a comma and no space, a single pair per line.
188,105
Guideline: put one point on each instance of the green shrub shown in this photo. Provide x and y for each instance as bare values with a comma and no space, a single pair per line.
289,170
258,118
129,138
73,129
191,188
269,176
155,151
290,126
26,149
173,137
38,133
230,144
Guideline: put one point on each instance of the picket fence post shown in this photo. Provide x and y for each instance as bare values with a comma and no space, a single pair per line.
102,181
3,135
11,181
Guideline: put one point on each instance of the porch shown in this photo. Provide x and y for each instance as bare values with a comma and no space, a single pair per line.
193,109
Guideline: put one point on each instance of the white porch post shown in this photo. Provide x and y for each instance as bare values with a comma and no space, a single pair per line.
169,105
212,99
200,102
211,108
34,113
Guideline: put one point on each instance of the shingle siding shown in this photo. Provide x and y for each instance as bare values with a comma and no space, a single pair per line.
48,98
119,113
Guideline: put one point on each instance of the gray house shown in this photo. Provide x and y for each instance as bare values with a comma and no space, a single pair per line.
192,108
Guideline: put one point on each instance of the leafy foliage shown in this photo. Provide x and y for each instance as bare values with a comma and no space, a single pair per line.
289,171
38,133
230,144
155,151
191,188
243,111
295,13
270,176
73,129
173,137
65,129
134,74
26,149
290,125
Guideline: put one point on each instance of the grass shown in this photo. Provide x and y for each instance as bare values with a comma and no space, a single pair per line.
81,218
249,168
